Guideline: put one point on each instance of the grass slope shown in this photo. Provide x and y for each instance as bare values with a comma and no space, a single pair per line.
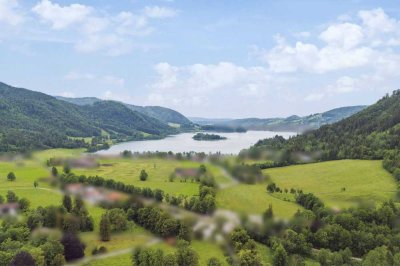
253,199
363,180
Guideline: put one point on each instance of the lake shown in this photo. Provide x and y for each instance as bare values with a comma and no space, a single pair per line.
234,143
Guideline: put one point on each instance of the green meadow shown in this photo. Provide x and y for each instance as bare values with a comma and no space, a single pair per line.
253,199
338,184
127,170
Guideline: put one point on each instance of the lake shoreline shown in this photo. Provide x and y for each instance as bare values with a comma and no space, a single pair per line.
183,142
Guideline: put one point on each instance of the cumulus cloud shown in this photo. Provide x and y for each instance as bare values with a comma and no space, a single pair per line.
198,83
159,12
9,12
61,16
345,45
99,31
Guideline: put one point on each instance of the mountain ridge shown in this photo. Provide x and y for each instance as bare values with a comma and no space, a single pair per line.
291,123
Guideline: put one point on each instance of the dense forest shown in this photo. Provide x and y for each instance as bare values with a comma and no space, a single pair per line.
163,114
32,120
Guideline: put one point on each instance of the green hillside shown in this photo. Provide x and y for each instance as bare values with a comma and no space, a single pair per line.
32,120
163,114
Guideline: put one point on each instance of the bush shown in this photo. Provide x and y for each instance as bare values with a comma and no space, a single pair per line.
143,175
11,176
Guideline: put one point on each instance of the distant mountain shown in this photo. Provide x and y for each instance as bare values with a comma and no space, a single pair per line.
33,120
163,114
292,123
209,121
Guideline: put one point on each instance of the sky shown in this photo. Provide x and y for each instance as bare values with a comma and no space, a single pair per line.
210,58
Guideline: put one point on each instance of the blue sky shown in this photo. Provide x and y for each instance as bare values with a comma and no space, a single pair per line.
205,58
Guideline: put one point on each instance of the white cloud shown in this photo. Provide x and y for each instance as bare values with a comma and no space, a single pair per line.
196,84
308,57
9,12
61,17
95,30
344,45
159,12
377,20
344,35
343,84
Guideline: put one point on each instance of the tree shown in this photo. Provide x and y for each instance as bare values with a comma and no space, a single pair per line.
78,206
280,257
54,171
71,223
53,252
24,204
379,256
11,197
118,219
67,169
67,202
170,260
158,195
143,175
11,176
105,228
23,258
269,213
186,255
248,258
214,262
73,247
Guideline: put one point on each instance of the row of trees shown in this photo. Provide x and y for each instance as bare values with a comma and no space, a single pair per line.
159,222
205,203
183,256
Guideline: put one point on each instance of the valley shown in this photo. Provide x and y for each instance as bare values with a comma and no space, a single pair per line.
170,199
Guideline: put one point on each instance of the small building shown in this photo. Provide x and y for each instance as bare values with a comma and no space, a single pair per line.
187,172
9,209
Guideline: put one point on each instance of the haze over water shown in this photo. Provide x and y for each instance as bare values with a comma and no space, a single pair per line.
234,143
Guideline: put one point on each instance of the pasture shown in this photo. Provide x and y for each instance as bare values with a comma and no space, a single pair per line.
159,170
254,199
339,184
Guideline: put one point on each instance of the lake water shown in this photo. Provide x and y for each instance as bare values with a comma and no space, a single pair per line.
234,143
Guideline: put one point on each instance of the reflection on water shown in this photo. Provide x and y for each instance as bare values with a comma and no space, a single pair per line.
234,143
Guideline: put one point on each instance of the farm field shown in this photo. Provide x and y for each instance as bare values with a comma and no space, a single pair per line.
338,184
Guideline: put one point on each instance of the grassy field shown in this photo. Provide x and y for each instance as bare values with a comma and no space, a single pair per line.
253,199
362,180
159,170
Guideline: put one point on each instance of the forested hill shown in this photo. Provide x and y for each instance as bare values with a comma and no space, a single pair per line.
294,123
33,120
163,114
373,133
